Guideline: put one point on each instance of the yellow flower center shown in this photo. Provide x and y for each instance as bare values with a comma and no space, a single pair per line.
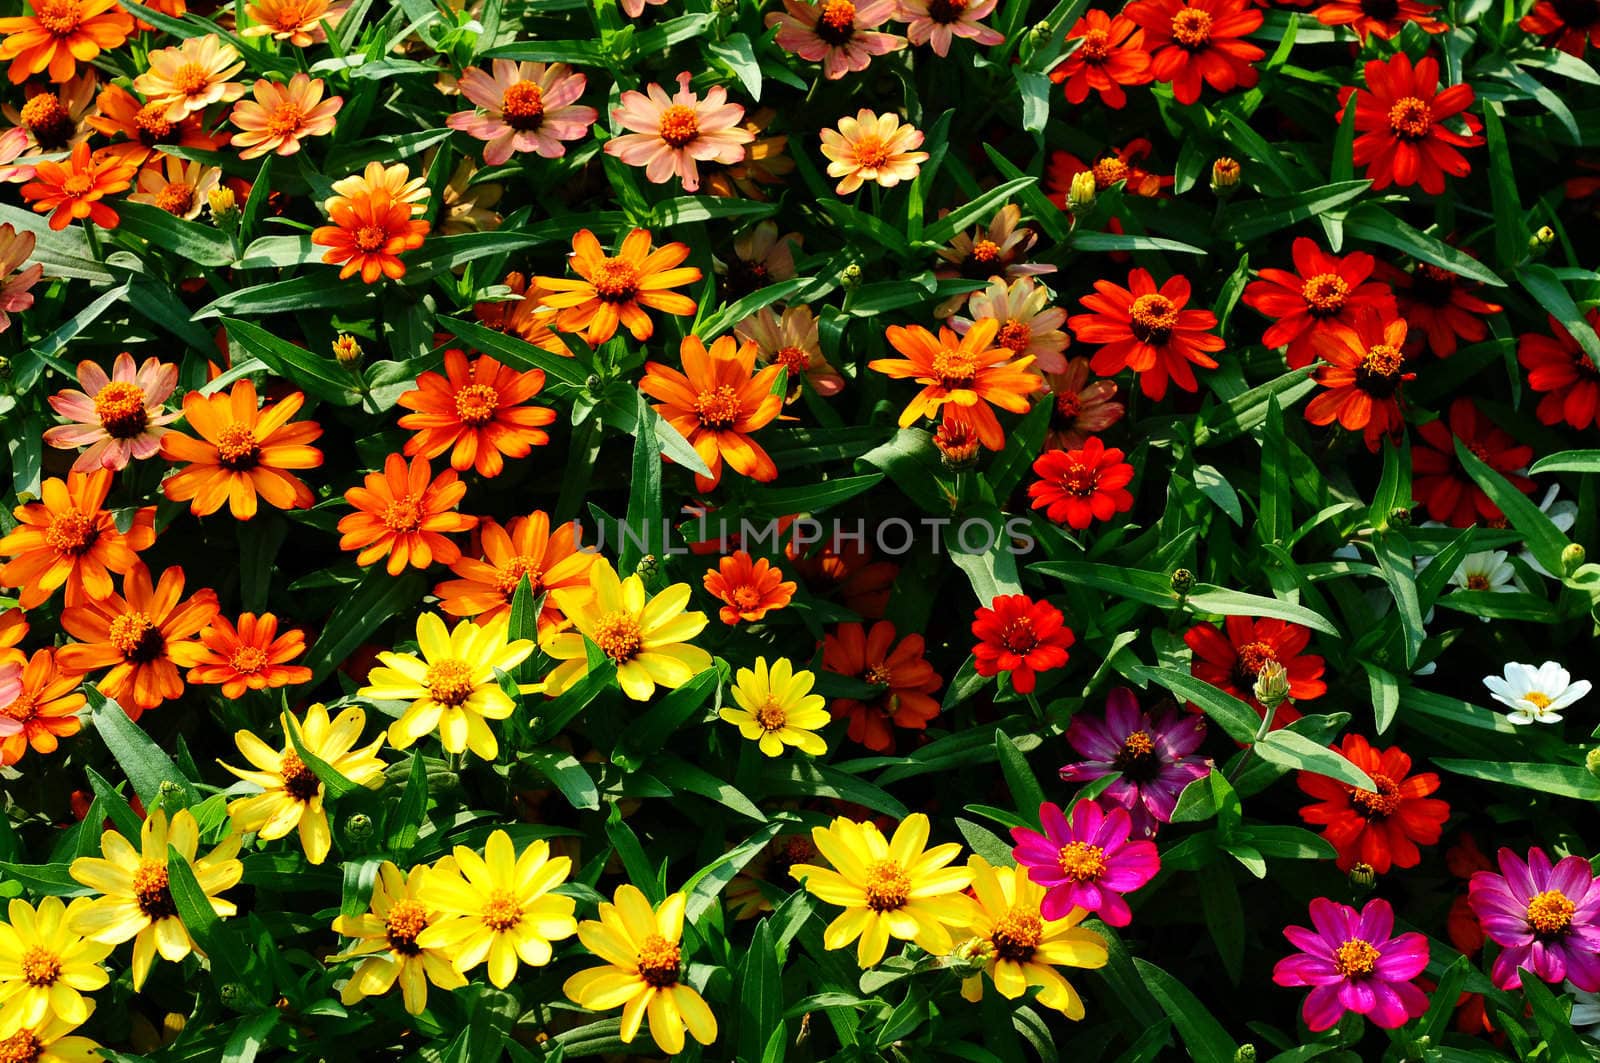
618,635
522,105
286,120
1016,935
21,1047
1109,170
1096,46
136,637
510,574
237,446
176,198
1015,336
1137,759
120,407
679,125
772,716
406,919
879,675
70,533
1247,665
1537,698
719,408
1325,294
888,886
1355,958
1078,479
501,912
1191,29
1081,861
659,961
286,16
955,368
403,515
46,117
1152,318
1383,360
836,21
449,681
152,893
476,404
1410,118
191,79
1380,803
871,152
370,238
615,281
58,17
299,781
152,125
40,968
1550,912
1138,744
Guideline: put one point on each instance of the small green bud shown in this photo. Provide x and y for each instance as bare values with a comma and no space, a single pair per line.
1182,581
359,828
1363,877
169,788
726,7
1041,31
851,277
1246,1053
971,956
1541,240
1592,762
232,995
1272,684
1572,558
1400,517
647,565
5,366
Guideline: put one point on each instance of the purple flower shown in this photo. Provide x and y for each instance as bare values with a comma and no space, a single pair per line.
1154,755
1352,964
1088,863
1544,918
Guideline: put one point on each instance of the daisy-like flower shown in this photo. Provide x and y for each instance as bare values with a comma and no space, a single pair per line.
498,908
404,513
251,656
524,316
793,343
970,371
1362,378
841,35
1020,637
477,411
613,290
450,683
1111,55
180,188
53,118
1019,946
527,548
44,707
120,417
1194,40
1401,137
1079,487
998,249
761,256
370,231
280,116
1153,756
16,283
716,402
68,539
242,453
299,22
1355,963
386,936
1079,409
1148,330
643,973
1088,862
1562,373
898,670
144,126
1544,918
291,796
1535,694
1324,291
1563,24
1384,20
52,1041
136,899
872,147
888,887
1486,570
938,22
1380,828
1439,306
46,965
59,35
1028,324
191,76
749,589
1231,660
393,180
74,188
669,134
776,708
1438,479
523,107
1111,167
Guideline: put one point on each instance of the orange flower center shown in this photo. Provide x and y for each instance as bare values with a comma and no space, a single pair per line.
1247,664
21,1047
509,575
23,708
58,17
1355,958
771,716
1550,912
871,152
1137,759
70,533
286,120
406,919
955,368
1325,294
370,238
1379,374
679,125
1016,935
1477,582
476,404
746,597
1380,803
137,638
985,251
286,16
1014,335
1068,406
615,280
120,407
1410,118
1138,744
618,636
299,781
718,409
522,105
793,359
1191,29
946,11
659,960
191,79
449,681
46,117
501,912
1096,46
152,125
1081,861
879,675
248,660
1018,635
403,515
1152,318
78,185
1108,170
836,21
176,198
237,447
152,893
888,887
40,968
1078,479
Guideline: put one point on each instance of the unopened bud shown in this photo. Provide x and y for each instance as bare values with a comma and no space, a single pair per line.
851,277
1224,176
170,788
1399,517
1572,557
1182,581
1592,762
359,828
5,367
726,7
1363,877
1080,197
1272,684
1041,31
1417,1047
347,349
957,441
971,956
224,207
232,995
1245,1053
647,565
1541,240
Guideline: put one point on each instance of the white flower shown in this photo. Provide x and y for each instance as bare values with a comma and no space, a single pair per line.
1562,514
1486,570
1535,693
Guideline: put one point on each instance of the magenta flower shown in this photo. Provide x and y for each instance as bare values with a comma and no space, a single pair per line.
525,107
1352,963
1088,863
1544,918
836,33
15,283
669,134
119,417
1154,754
941,20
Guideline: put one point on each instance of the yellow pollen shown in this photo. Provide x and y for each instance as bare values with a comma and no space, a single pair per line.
176,198
191,79
47,119
1410,118
679,125
299,781
137,638
70,533
58,17
120,407
836,20
955,368
406,919
879,675
618,635
1380,803
1247,664
772,716
1014,336
370,238
1325,293
509,575
152,124
888,887
152,893
501,912
403,515
1538,698
248,660
1550,912
1138,744
1152,318
1078,479
1383,360
985,251
237,446
21,1047
1109,170
1081,861
522,105
615,280
719,409
449,681
476,404
286,120
659,961
40,968
1016,935
1096,46
871,152
1191,29
1355,958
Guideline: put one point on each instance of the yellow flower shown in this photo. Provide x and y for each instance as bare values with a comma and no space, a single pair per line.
643,954
1021,947
45,967
777,708
48,1042
646,637
498,907
137,901
896,888
291,794
387,937
452,686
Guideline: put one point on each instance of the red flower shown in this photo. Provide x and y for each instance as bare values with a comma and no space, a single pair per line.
1076,487
1324,290
900,671
1386,18
1439,306
1399,117
1021,636
1148,331
1443,486
1379,827
1570,25
1560,369
1363,378
1191,40
1110,167
1230,660
1112,55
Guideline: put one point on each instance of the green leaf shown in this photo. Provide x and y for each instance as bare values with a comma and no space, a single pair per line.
567,775
1235,717
1289,843
200,919
1398,573
1568,461
122,815
515,352
334,784
1561,780
1252,220
1092,241
976,211
1209,599
1546,288
1025,789
322,375
1373,223
319,290
1385,690
760,998
736,51
250,1035
1150,588
640,871
645,531
1544,538
1290,749
1509,227
191,241
370,604
1204,1037
648,733
148,768
799,289
408,816
1554,1020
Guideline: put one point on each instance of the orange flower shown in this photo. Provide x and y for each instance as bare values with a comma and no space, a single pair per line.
969,371
749,590
369,232
13,629
144,635
69,539
73,190
1363,376
252,656
144,125
47,708
242,452
525,547
525,317
404,514
613,290
191,76
281,116
177,187
297,21
59,35
899,671
716,402
476,412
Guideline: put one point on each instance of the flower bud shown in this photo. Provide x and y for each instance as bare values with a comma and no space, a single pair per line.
169,788
1363,877
1417,1047
347,349
1592,762
358,828
1080,197
5,367
851,277
1272,684
1245,1053
1572,557
971,956
224,207
1182,581
1541,240
726,7
1399,517
647,565
957,441
1224,177
233,995
1041,31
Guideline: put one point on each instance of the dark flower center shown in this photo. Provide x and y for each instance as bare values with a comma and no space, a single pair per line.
1137,759
1152,318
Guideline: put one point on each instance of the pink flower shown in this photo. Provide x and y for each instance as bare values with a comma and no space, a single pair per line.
940,20
15,247
837,33
280,115
13,142
526,107
119,416
10,688
1352,963
1081,409
1087,863
635,8
670,134
1028,325
1544,918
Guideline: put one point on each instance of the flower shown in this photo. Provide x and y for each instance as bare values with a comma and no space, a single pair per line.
121,416
764,163
1567,26
899,672
1401,138
646,638
871,147
716,402
1353,963
49,1042
1380,828
791,342
1544,918
46,966
51,118
840,565
1149,331
177,187
404,513
1028,326
999,249
370,231
297,21
242,452
476,411
635,8
1446,490
969,371
939,21
1324,291
59,35
1020,637
1363,375
44,707
617,289
251,656
1111,167
394,181
839,34
643,953
72,190
1086,863
894,887
1154,756
1440,306
144,635
68,539
669,133
386,936
137,896
776,708
1079,409
191,76
280,116
452,686
16,283
526,548
497,908
291,794
524,107
1563,373
144,126
1486,570
1231,660
524,316
13,629
760,257
1112,54
1193,39
1385,20
1020,947
749,589
1535,694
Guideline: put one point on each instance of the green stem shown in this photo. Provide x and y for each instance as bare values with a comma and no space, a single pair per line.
92,239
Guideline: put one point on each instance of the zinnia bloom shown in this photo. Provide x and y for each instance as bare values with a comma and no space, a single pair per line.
1149,331
1401,138
872,147
1363,378
1325,290
1544,918
1111,56
370,232
1028,324
968,371
761,256
386,936
1564,24
1111,167
45,707
1153,755
1191,40
476,411
68,539
1440,306
242,452
1380,828
180,188
299,22
191,76
145,126
900,672
669,133
527,548
72,189
1020,637
1078,487
776,708
749,589
1231,660
59,35
1087,863
1385,19
1353,962
251,656
1079,409
1563,373
612,290
716,402
46,965
49,1042
791,342
280,116
839,34
523,107
998,249
404,513
940,21
16,283
1535,693
393,180
524,316
120,416
1440,482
